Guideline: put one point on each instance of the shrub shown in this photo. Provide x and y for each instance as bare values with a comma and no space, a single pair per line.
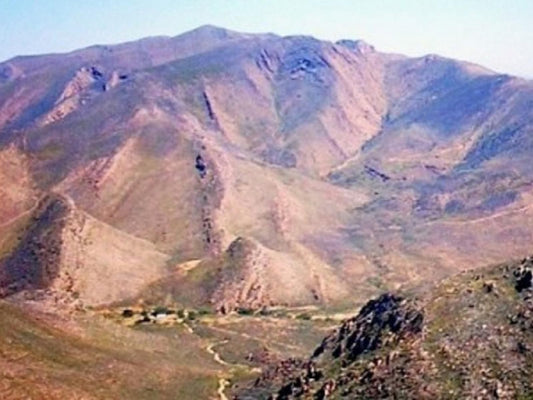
161,310
265,312
303,316
245,311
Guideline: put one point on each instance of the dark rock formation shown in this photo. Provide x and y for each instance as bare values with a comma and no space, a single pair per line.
200,166
382,322
524,275
368,330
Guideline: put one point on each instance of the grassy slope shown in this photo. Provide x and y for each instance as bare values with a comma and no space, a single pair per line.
98,359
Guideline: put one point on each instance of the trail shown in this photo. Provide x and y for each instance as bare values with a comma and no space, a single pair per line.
189,328
482,219
223,383
216,356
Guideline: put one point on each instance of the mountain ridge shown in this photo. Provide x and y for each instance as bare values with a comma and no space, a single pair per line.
344,168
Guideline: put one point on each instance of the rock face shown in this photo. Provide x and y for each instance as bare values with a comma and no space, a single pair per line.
344,169
457,341
87,82
367,331
381,323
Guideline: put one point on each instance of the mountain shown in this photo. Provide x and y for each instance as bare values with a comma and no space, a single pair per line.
469,337
235,170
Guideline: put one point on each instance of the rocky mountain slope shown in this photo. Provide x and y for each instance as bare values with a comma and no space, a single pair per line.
238,170
470,337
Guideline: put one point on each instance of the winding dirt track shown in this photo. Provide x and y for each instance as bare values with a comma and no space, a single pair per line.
216,356
482,219
222,382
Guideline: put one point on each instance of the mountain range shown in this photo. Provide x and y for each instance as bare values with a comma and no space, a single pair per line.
247,191
256,170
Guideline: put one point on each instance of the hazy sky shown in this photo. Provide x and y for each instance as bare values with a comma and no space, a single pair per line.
495,33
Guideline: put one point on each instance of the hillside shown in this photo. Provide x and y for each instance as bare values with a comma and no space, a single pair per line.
231,170
43,356
469,337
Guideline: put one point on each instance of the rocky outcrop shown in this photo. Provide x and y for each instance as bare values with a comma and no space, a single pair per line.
241,284
387,318
524,275
75,93
85,85
359,46
381,324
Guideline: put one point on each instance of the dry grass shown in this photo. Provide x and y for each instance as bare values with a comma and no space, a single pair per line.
91,358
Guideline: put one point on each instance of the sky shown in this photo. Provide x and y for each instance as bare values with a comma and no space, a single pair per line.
497,34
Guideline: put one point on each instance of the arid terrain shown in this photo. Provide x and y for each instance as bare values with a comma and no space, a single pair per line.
179,214
470,337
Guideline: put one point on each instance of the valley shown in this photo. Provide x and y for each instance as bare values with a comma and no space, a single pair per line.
44,355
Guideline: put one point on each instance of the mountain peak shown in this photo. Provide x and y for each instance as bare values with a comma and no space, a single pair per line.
357,45
208,28
213,32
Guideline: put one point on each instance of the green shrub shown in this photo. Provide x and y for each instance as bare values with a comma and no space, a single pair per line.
161,310
244,311
304,316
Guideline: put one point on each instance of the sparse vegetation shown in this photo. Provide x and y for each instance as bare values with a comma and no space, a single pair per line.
127,313
162,310
245,311
304,316
466,338
57,361
293,177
